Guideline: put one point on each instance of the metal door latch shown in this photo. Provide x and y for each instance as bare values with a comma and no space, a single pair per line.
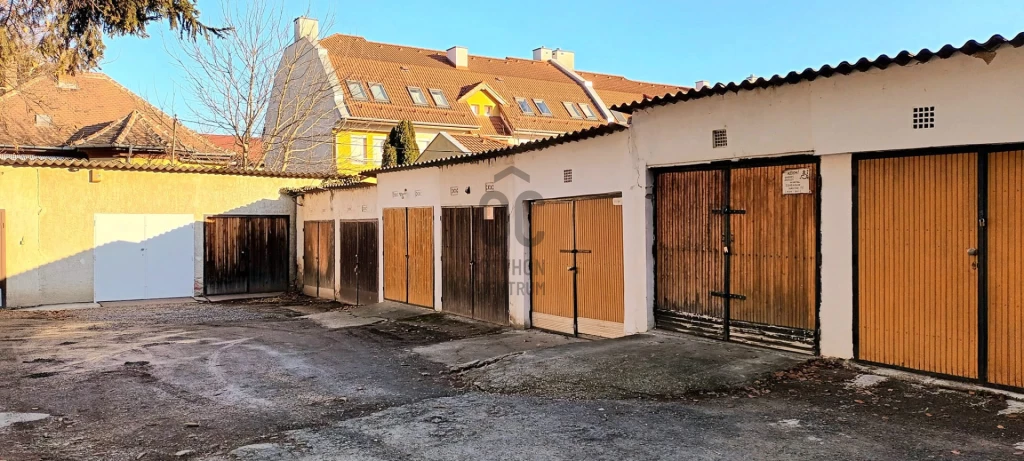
972,251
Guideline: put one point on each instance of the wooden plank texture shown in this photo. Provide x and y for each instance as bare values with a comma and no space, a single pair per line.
1006,268
689,260
421,256
599,277
348,262
396,264
366,257
552,295
457,260
773,259
490,264
918,286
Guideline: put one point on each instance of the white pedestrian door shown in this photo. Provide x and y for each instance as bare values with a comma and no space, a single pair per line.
138,256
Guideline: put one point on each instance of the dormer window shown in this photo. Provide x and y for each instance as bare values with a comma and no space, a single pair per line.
418,97
524,105
439,99
356,90
542,107
588,111
378,93
571,108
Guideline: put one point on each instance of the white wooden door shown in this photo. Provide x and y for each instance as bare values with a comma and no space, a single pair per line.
119,262
170,256
143,256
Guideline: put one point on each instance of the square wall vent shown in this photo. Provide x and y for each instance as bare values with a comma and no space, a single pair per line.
924,117
719,138
566,175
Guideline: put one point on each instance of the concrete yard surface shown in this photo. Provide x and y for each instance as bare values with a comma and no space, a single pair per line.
657,365
256,380
469,351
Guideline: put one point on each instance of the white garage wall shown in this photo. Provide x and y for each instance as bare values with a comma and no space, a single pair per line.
976,100
410,188
356,202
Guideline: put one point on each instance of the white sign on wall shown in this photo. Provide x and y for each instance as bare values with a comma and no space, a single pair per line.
796,181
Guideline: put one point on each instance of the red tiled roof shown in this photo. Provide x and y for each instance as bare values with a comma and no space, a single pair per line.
89,110
398,67
228,143
476,143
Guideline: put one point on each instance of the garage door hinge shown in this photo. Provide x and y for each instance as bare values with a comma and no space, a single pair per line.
727,295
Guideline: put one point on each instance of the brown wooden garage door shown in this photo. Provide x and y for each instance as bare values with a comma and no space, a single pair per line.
736,253
318,259
409,255
357,262
474,262
577,267
938,264
245,254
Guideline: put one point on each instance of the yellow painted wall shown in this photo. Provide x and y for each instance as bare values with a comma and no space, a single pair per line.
482,99
344,151
50,219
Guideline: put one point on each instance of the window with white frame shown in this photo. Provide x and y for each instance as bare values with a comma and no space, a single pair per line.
358,149
475,108
356,90
572,110
542,107
418,97
524,105
439,99
377,90
378,149
487,110
588,111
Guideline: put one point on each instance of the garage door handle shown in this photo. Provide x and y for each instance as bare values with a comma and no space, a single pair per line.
571,268
972,251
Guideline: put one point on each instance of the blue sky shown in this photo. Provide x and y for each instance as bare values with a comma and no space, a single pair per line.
660,41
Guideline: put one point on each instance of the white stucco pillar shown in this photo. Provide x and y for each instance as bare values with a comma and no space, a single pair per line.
837,256
638,261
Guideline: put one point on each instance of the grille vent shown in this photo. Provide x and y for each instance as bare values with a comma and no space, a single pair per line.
924,117
719,138
566,175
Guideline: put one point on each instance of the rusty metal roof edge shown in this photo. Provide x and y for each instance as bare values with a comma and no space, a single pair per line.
579,135
864,64
88,164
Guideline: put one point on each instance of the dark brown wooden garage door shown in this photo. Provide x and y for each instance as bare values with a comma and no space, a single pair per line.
318,259
245,254
409,255
474,262
580,288
736,253
3,259
939,263
357,263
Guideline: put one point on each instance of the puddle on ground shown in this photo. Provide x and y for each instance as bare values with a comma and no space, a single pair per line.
7,419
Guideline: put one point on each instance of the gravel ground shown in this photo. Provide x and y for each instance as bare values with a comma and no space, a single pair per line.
253,381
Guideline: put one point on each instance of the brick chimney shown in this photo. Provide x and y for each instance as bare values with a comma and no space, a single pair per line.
458,56
307,28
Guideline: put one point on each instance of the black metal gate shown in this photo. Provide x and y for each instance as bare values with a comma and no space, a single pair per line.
736,252
357,283
474,262
245,254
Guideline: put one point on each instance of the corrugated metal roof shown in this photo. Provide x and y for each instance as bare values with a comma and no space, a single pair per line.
330,184
580,135
50,162
844,68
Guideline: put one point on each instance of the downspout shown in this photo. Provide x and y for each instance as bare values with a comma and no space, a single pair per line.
588,87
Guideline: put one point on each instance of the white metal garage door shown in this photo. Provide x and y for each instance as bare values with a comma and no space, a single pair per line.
139,256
